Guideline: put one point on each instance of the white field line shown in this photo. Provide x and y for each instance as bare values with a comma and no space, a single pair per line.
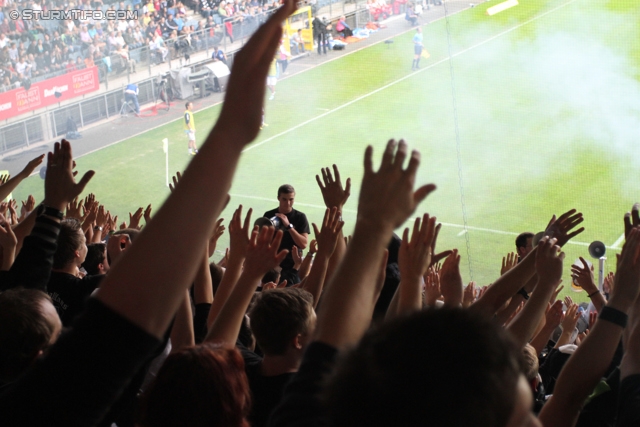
410,220
310,67
361,97
617,243
408,76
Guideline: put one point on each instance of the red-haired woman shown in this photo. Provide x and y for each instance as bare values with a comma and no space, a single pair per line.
199,386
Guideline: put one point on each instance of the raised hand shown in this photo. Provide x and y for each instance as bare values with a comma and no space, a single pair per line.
469,295
297,258
74,208
60,187
117,244
554,315
554,295
549,262
313,247
414,256
632,219
102,217
627,277
8,244
27,206
262,251
31,166
241,113
218,231
147,214
393,184
134,219
437,257
13,211
176,178
451,280
508,262
583,276
239,234
571,318
331,227
568,301
431,287
333,193
560,228
608,284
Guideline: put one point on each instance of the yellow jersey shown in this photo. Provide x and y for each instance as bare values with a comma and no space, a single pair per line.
189,121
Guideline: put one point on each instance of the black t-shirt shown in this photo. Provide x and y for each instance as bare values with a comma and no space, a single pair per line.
266,392
69,294
629,401
300,223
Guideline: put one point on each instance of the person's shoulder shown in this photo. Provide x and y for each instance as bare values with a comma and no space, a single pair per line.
270,213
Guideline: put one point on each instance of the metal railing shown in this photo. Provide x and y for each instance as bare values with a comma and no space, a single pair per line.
54,123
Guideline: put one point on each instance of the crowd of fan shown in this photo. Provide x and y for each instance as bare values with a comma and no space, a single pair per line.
38,49
154,335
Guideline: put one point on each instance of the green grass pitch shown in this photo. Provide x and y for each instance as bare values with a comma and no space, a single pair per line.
547,100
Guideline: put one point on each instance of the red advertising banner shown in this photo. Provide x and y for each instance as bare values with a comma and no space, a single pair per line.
42,94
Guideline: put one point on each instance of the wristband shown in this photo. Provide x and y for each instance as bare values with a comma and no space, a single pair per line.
614,316
593,293
524,293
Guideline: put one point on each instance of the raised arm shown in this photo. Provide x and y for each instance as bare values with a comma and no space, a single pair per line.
350,296
414,259
327,240
238,246
583,276
262,256
335,195
512,283
549,270
138,298
8,187
590,361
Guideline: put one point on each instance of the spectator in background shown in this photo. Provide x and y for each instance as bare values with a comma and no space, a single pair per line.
219,55
131,95
297,43
343,28
283,57
524,244
96,261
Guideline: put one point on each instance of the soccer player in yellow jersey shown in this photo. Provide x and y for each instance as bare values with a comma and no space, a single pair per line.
190,128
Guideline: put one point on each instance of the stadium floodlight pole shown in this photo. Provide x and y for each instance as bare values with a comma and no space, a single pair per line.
165,148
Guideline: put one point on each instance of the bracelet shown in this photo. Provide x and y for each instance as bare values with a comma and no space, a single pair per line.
614,316
593,293
524,293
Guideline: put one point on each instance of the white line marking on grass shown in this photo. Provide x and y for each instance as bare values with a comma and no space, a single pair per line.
408,76
617,243
334,59
411,220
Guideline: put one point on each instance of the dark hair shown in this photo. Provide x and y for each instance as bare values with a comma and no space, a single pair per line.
272,275
197,387
279,315
24,330
69,241
216,276
521,240
410,370
95,257
285,189
186,104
